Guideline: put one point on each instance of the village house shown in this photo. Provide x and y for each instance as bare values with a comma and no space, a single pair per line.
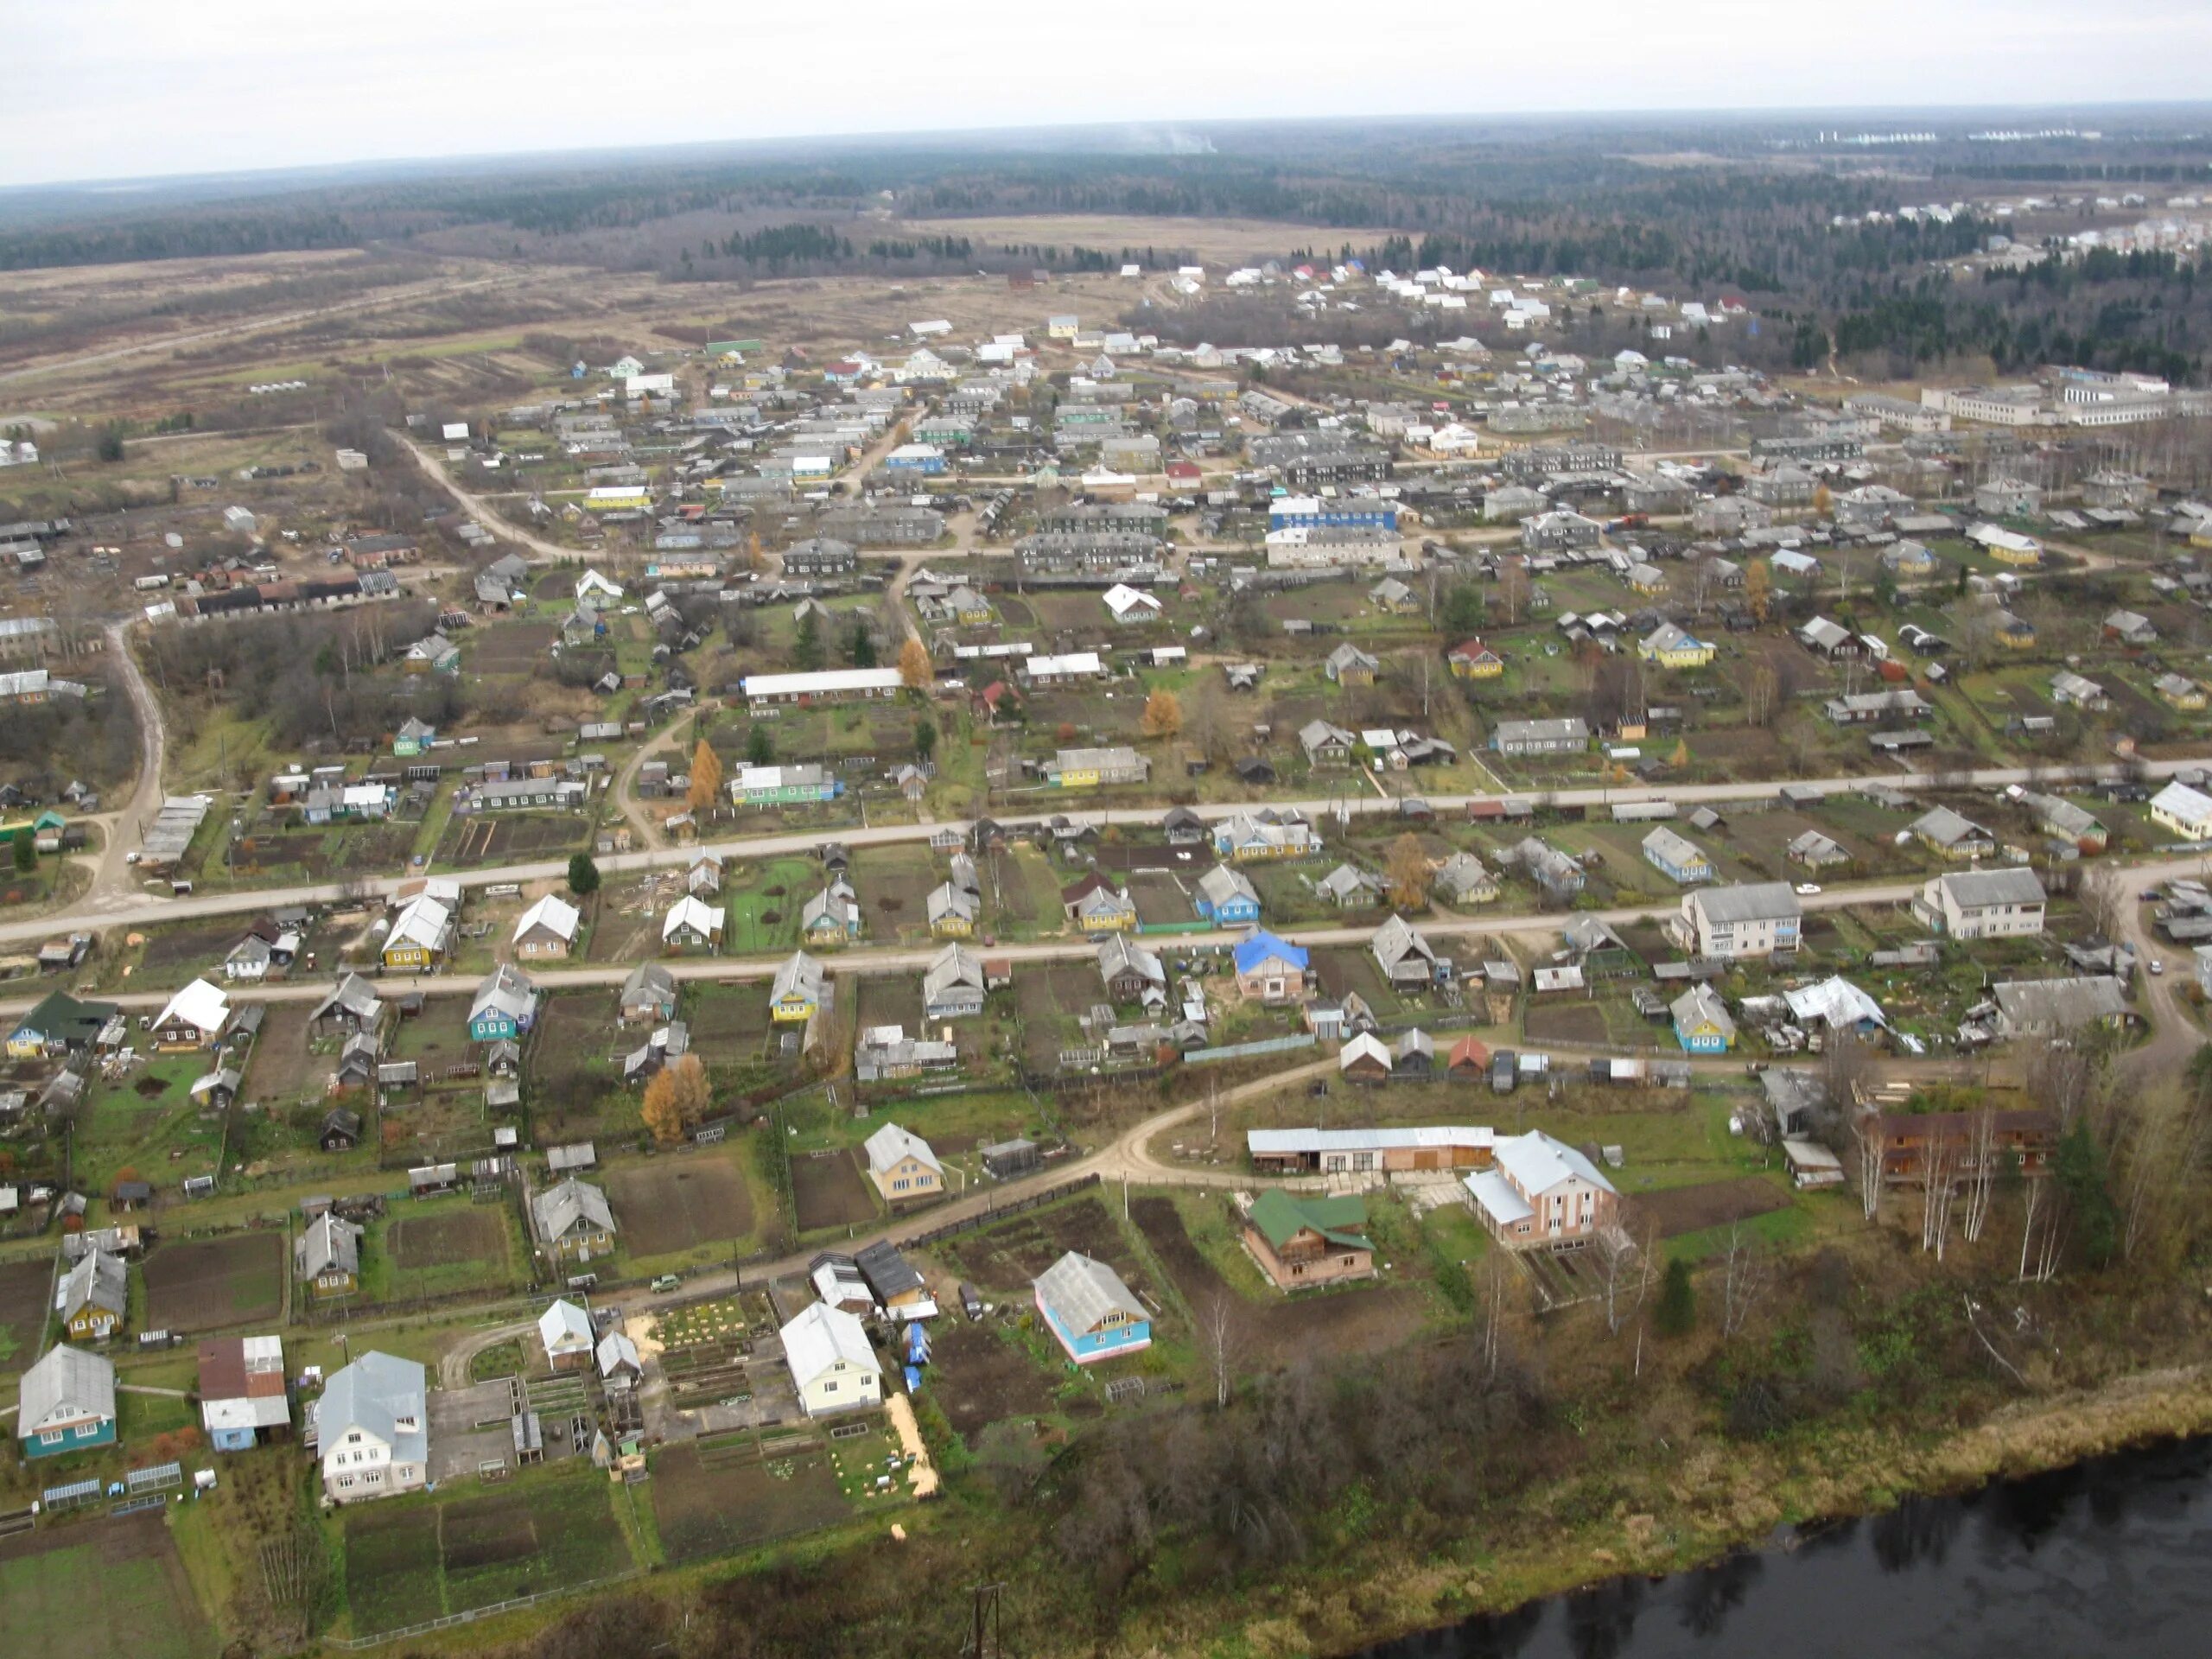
194,1018
799,991
648,996
1702,1024
547,928
1090,1311
1951,835
65,1402
372,1428
1675,856
1226,898
1098,767
832,1364
1471,659
242,1391
58,1025
1541,1192
2183,809
832,916
902,1165
574,1221
1348,665
564,1331
2061,1008
1671,646
1301,1240
1463,878
1248,838
1566,736
327,1255
419,934
93,1297
1270,970
1096,906
1998,903
1407,960
691,923
1132,974
1744,920
1917,1148
952,985
504,1005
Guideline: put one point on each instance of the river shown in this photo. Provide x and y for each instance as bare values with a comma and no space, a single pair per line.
2112,1557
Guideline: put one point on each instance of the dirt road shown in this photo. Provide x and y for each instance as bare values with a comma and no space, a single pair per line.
116,885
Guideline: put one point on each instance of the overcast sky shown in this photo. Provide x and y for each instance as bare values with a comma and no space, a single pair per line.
123,88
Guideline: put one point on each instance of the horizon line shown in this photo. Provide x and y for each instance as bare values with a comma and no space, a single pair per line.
918,138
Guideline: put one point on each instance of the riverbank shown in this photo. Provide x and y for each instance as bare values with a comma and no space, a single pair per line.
1725,1509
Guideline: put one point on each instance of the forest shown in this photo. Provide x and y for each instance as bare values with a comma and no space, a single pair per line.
1533,199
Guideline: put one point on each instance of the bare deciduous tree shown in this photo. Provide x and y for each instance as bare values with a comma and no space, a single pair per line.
1981,1173
1745,1279
1217,1346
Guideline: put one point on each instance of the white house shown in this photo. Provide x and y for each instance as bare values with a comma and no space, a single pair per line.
2186,811
691,920
1131,605
372,1429
1754,919
565,1331
548,928
832,1364
2001,903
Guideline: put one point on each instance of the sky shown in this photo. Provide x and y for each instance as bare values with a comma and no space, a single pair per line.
109,89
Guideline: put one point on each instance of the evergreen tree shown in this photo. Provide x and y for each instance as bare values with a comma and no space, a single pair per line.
1677,1310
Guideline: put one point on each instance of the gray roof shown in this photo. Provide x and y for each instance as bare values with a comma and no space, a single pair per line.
1970,889
952,967
560,1208
507,989
354,995
1943,826
1749,901
98,1279
327,1242
66,1385
1080,1292
649,980
376,1394
2060,1004
1396,940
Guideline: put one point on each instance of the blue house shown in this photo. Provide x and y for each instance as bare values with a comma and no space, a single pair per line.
1090,1311
1702,1021
1677,857
67,1403
506,1004
915,458
1226,898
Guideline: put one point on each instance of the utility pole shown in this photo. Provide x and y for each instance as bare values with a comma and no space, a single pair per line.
983,1640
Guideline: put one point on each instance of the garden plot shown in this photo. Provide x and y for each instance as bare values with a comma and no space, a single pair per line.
214,1283
117,1588
1007,1258
829,1191
23,1287
1680,1210
894,885
678,1202
718,1498
980,1378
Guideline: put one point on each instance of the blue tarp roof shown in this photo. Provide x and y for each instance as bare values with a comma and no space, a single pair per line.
913,1381
1258,948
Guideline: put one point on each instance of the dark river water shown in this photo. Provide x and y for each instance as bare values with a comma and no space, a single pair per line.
2112,1557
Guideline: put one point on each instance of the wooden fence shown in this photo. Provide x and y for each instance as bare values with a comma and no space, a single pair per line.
998,1213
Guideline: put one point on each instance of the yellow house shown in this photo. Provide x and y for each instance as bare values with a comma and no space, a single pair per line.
797,990
1671,646
2015,632
902,1165
2179,691
1473,660
419,934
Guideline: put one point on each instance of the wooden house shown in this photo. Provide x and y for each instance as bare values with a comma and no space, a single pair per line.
1301,1240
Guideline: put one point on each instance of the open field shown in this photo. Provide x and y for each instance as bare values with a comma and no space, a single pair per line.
828,1190
717,1498
209,1285
117,1586
679,1201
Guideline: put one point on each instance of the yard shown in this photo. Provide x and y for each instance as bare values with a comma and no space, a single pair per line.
23,1287
445,1244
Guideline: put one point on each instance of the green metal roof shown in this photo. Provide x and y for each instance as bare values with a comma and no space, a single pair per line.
1281,1217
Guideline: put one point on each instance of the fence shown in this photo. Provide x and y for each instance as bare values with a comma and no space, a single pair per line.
1246,1051
356,1643
999,1212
